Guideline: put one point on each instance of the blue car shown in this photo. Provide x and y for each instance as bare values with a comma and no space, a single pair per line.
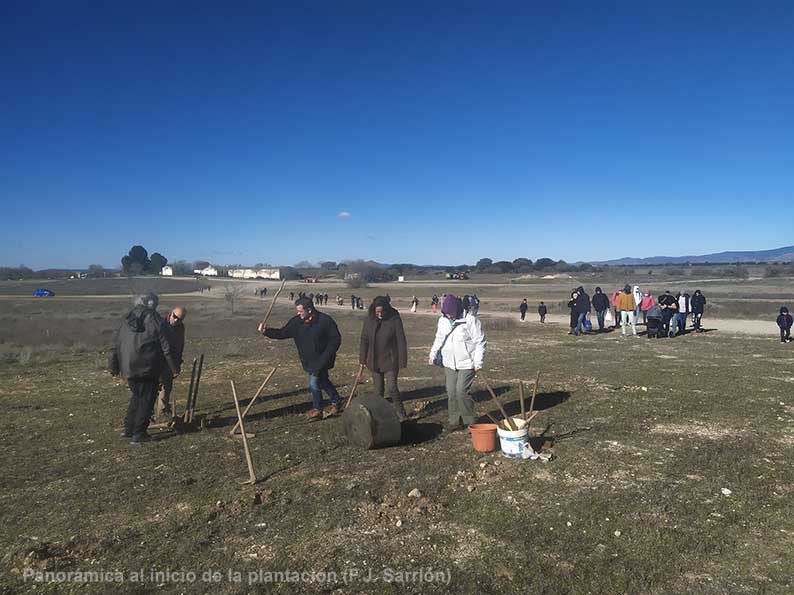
44,293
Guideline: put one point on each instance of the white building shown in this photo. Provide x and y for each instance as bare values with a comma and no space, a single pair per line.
255,273
209,271
167,271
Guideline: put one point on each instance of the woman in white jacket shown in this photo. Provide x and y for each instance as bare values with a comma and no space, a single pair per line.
460,349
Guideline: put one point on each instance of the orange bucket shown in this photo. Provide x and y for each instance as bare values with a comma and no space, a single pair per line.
483,437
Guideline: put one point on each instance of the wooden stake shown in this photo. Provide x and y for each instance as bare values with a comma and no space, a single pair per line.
534,394
190,390
251,474
355,385
508,421
273,303
196,388
521,398
256,396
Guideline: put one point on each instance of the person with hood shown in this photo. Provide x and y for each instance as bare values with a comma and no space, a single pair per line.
698,305
574,312
601,305
434,303
317,340
784,322
614,300
637,300
626,306
523,309
141,349
384,350
542,311
414,304
459,347
647,303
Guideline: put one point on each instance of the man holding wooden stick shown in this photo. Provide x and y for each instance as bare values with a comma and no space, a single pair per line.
317,339
175,319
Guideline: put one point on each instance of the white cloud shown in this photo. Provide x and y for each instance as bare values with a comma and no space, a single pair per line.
343,215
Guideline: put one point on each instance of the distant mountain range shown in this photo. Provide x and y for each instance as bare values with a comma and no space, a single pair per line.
785,254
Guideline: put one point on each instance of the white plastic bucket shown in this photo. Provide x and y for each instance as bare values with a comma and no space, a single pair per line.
515,444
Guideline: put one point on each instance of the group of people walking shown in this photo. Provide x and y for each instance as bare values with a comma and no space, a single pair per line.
459,347
665,316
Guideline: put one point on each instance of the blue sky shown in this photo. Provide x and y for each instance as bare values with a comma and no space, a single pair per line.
237,132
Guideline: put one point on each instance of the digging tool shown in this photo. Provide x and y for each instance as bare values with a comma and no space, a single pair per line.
508,421
273,303
521,398
251,474
256,396
534,393
190,389
355,385
192,410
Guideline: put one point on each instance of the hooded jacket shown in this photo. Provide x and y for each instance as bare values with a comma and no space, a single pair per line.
383,347
463,343
141,347
637,295
317,342
647,302
600,300
626,302
698,302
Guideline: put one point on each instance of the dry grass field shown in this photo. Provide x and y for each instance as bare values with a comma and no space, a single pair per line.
671,472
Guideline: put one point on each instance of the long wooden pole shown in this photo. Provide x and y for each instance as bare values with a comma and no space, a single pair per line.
508,421
196,388
273,303
355,385
190,390
251,474
521,398
256,396
534,394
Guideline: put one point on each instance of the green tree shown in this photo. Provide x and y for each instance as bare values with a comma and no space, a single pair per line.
157,262
484,263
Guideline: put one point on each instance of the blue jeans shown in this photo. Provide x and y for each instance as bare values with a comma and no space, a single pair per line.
580,324
317,384
600,317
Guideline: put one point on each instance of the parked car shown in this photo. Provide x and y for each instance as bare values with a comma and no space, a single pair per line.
44,293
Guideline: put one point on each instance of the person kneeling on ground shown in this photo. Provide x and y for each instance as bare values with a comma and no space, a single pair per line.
140,351
784,322
317,339
459,347
383,350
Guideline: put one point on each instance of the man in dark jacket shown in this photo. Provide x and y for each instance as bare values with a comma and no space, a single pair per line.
784,322
317,339
542,310
523,309
140,351
383,350
601,305
698,305
581,308
175,324
669,308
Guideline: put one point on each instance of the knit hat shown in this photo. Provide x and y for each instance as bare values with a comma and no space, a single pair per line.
452,306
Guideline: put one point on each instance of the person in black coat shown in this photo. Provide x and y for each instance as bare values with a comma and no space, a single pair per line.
542,310
601,305
523,309
317,339
784,322
698,304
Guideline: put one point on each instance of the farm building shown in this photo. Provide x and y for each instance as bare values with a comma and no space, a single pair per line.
273,273
209,271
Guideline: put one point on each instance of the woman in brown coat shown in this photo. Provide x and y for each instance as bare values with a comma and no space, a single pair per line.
384,350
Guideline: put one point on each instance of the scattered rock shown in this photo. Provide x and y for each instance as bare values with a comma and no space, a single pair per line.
399,523
470,488
415,493
617,533
726,492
